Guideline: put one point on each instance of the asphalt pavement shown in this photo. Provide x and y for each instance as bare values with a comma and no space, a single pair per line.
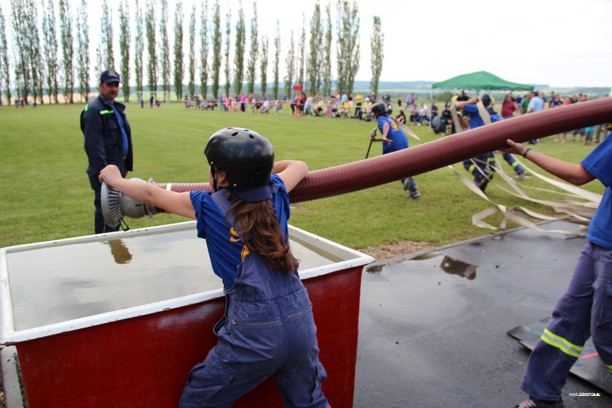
433,325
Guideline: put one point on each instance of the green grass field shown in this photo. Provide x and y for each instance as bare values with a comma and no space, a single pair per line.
45,193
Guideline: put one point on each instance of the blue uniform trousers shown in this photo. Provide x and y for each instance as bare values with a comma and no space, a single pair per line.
482,168
268,330
584,310
409,184
518,169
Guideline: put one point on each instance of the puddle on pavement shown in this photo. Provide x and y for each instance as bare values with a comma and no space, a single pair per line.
454,266
419,290
450,265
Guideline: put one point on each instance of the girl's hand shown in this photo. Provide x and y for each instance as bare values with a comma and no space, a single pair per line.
109,174
514,148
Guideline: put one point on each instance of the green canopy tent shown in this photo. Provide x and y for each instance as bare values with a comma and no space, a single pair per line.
480,80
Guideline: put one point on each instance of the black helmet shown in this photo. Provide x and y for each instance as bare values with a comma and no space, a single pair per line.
379,109
245,156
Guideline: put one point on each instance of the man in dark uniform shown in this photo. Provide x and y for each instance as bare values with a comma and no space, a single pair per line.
108,138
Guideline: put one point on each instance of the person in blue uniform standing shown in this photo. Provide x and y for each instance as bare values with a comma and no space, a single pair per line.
393,139
585,309
268,328
107,139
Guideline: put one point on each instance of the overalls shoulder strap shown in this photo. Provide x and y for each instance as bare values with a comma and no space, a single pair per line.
255,278
221,199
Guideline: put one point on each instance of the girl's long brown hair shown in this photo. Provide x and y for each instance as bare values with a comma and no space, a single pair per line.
259,229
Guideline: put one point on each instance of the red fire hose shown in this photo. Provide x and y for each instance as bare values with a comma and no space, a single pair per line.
362,174
367,173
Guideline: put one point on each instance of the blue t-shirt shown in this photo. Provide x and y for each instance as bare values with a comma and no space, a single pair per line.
223,243
400,141
599,164
475,120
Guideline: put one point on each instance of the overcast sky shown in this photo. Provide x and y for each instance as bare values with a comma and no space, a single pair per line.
561,43
557,42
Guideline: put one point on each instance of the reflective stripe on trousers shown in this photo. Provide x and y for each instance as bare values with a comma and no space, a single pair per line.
584,310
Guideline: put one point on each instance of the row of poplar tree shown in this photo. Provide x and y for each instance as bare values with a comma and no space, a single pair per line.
41,59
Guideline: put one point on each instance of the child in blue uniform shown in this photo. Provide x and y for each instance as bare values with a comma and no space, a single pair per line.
483,167
393,140
268,328
585,309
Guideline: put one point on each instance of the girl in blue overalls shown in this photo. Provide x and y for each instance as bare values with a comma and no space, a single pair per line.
268,328
585,309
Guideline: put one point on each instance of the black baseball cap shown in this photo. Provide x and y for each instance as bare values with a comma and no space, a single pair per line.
109,76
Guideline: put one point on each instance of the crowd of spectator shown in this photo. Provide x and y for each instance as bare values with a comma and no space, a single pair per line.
335,106
410,111
537,100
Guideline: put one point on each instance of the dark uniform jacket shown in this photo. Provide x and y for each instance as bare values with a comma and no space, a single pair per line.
103,139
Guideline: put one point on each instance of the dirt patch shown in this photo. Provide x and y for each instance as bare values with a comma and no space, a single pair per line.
381,252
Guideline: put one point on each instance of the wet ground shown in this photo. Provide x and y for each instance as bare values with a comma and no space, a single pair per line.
433,326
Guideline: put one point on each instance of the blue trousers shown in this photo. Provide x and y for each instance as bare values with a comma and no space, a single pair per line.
584,310
518,169
482,168
251,349
409,184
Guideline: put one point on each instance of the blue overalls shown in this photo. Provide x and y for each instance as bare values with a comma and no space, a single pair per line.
400,142
268,330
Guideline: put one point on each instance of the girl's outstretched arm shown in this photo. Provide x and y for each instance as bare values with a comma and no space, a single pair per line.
170,201
291,172
570,172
